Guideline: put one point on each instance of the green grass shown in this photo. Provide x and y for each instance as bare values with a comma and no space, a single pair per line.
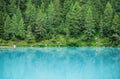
62,41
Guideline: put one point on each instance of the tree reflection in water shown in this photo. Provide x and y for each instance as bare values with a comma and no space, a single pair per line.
60,63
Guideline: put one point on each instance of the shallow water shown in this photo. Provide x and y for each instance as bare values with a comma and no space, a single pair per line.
60,63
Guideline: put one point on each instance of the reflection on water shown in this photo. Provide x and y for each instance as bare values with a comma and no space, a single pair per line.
60,63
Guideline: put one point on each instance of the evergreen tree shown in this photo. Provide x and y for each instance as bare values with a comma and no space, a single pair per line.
99,6
50,19
115,29
40,29
13,27
66,8
29,35
106,20
1,23
17,29
42,7
37,3
116,5
37,20
51,14
30,14
7,28
58,13
2,16
74,20
89,25
96,7
11,7
47,2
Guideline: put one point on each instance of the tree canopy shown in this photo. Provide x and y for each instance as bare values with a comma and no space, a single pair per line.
55,20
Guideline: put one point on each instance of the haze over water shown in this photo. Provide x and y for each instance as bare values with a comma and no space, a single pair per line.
60,63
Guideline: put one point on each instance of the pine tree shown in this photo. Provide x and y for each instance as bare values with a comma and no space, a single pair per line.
89,25
30,14
50,20
42,7
74,20
66,8
36,20
40,29
47,2
7,28
58,13
2,16
51,14
1,23
13,27
116,5
115,29
29,35
21,27
106,20
37,3
99,6
17,29
97,10
11,8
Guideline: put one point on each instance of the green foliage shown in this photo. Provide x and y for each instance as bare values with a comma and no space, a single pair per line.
7,27
66,8
106,21
40,28
89,25
29,35
74,20
115,29
50,20
2,16
73,42
12,7
58,14
1,23
60,22
116,24
17,29
30,14
50,14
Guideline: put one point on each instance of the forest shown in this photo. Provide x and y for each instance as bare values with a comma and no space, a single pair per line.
60,22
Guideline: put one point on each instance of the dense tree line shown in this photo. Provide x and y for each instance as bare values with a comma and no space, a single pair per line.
46,19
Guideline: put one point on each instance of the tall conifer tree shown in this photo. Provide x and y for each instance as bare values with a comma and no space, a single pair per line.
17,29
66,8
7,28
106,21
115,29
89,25
74,20
51,19
41,28
58,13
30,14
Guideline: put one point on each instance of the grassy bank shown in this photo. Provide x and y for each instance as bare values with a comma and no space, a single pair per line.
61,41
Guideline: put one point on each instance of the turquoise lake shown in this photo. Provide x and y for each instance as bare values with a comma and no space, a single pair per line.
60,63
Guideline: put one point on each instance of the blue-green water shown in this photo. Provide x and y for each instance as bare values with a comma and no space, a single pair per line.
60,63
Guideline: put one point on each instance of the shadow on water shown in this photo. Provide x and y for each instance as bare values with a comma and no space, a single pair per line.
60,63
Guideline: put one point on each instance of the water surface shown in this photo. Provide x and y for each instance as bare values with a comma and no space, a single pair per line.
60,63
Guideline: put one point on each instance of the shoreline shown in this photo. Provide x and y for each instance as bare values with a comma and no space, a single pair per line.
60,46
49,43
